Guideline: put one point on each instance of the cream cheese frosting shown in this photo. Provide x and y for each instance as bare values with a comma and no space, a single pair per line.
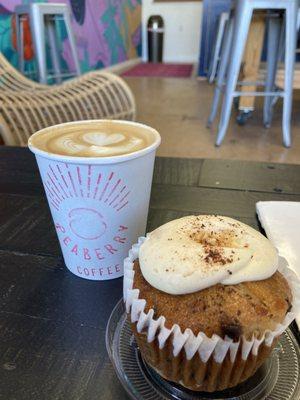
195,252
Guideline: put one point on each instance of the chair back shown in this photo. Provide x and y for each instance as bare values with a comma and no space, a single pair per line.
12,80
27,106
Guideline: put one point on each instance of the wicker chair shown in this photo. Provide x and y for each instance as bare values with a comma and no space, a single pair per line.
27,106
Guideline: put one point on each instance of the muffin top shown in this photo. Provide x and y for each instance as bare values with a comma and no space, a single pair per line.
214,275
245,309
195,252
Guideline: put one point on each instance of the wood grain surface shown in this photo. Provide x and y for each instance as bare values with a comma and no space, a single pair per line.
52,324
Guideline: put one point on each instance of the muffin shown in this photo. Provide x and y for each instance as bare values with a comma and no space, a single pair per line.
207,300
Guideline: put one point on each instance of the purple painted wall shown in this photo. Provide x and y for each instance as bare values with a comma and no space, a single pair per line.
107,32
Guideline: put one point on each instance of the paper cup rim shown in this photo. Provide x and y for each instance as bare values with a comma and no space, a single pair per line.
96,160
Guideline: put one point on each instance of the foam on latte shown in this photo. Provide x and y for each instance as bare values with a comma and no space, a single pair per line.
93,139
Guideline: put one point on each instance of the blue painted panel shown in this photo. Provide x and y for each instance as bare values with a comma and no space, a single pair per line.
211,12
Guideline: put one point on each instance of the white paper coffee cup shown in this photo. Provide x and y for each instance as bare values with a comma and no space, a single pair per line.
99,205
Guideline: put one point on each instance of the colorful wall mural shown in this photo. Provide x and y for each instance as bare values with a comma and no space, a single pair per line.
107,32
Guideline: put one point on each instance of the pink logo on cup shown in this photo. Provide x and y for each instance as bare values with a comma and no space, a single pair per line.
62,182
87,223
85,199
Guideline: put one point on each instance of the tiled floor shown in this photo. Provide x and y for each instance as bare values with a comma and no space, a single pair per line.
178,109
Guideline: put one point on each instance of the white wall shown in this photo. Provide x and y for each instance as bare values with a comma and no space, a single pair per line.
182,29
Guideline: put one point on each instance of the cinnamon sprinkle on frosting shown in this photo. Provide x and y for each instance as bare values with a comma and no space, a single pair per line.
194,252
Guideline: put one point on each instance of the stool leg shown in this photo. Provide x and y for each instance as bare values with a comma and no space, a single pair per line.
38,35
20,42
289,61
22,62
272,58
50,27
222,71
281,42
72,42
217,47
241,27
280,57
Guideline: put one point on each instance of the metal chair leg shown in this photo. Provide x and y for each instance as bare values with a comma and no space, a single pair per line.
20,42
241,27
72,41
290,48
37,24
222,71
217,47
272,59
50,28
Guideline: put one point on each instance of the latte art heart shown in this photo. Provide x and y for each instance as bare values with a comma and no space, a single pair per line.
102,138
98,144
127,147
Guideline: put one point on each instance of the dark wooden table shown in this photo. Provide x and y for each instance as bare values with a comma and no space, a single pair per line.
52,324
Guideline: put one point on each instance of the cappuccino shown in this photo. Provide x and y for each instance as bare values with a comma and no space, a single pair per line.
97,177
93,139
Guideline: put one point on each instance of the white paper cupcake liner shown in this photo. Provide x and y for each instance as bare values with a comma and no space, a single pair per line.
206,346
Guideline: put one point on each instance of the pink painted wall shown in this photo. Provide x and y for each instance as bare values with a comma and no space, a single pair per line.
107,31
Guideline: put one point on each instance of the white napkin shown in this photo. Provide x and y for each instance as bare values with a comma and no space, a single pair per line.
281,222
